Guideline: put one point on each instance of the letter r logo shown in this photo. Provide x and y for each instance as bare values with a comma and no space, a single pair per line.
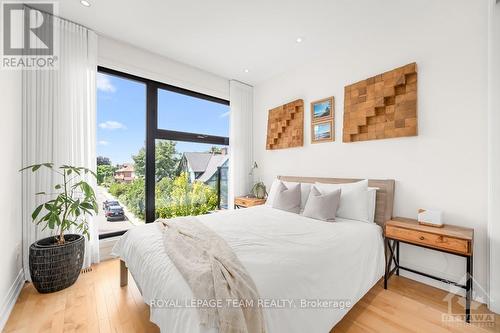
28,29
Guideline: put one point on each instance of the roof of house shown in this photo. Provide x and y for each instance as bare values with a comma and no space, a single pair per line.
198,162
204,163
215,161
126,167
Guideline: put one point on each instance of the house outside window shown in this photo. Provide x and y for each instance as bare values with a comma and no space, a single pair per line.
125,174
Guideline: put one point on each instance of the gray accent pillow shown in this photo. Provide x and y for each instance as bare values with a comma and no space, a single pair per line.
288,198
322,206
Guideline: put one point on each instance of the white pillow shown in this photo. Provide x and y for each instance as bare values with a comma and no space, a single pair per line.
372,203
305,188
272,192
353,199
288,198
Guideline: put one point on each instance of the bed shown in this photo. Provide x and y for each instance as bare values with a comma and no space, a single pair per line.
309,273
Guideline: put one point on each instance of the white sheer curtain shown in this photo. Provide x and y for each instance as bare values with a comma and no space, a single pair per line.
59,123
240,140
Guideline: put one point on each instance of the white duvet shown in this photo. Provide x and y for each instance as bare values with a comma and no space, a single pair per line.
293,260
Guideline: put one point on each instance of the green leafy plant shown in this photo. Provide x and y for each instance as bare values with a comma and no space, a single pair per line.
259,190
186,198
133,197
73,200
118,189
104,172
166,160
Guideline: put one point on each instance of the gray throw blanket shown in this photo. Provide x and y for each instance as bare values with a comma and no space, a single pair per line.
214,273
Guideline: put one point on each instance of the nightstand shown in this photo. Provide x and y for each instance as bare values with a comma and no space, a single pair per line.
245,202
450,239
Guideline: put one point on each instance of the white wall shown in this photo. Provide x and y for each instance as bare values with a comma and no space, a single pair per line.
130,59
494,157
10,191
445,166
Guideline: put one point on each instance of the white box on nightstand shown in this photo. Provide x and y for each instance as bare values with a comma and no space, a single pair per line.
433,218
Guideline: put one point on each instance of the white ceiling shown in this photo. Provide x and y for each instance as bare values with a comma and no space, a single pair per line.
226,37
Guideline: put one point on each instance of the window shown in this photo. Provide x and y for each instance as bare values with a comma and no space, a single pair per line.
178,112
194,130
121,123
153,141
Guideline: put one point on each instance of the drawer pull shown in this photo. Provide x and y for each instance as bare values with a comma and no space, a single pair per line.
421,237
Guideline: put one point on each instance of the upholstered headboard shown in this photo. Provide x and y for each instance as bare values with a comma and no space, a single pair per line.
385,192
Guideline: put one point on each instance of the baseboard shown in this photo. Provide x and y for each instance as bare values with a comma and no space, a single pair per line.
11,298
494,306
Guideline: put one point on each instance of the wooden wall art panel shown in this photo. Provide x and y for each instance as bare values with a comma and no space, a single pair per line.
285,126
383,106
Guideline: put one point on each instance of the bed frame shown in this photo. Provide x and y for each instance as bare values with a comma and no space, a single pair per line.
123,274
383,208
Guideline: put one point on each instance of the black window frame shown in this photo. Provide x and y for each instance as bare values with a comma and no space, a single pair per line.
154,133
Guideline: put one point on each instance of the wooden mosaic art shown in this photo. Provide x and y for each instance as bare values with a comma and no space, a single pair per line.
285,126
383,106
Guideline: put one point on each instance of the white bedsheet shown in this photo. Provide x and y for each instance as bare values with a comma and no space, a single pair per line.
289,257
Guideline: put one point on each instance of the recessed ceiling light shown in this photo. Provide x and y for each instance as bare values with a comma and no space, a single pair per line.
85,3
299,40
246,70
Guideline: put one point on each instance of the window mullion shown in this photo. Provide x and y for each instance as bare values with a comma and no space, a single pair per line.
151,129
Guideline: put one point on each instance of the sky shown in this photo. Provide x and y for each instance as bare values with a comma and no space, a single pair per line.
121,117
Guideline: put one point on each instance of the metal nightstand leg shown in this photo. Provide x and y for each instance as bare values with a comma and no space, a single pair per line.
468,288
393,258
386,245
397,257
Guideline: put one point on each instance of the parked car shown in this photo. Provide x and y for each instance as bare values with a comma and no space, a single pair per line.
108,203
115,213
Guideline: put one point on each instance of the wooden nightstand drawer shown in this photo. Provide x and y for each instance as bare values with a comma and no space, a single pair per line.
248,202
429,239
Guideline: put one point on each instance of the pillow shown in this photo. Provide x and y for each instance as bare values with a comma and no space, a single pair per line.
305,188
272,192
287,198
353,199
372,203
322,206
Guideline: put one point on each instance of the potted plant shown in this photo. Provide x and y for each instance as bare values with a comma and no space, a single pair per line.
55,262
259,190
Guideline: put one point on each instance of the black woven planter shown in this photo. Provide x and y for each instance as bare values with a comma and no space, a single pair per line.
55,267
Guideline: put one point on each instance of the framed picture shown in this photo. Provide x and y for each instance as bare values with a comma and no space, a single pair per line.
322,131
322,109
323,120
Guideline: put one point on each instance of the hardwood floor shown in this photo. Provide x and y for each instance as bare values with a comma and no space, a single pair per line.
96,303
